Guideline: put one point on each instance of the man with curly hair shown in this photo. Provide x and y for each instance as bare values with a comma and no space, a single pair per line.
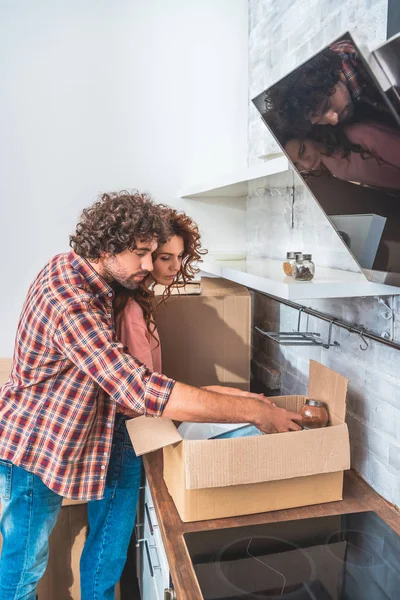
331,88
62,409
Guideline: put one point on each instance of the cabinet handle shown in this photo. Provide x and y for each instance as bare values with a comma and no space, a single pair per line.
169,594
146,545
147,510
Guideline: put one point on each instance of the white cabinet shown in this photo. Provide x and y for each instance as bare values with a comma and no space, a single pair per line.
154,576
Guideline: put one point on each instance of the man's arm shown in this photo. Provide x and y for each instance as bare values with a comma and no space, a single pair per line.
201,406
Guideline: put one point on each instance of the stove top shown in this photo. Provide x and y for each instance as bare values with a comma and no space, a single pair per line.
342,557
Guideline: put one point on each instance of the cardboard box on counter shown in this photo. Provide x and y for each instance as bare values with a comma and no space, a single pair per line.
211,479
206,338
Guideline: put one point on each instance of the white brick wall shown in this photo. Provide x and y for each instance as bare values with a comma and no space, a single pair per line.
373,403
283,33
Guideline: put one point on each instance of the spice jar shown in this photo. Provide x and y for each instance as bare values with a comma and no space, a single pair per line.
304,268
315,414
288,263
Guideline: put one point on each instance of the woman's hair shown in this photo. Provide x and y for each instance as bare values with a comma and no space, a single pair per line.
143,296
116,222
183,226
335,140
178,223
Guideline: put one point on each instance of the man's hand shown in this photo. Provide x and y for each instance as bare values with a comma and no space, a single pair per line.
278,420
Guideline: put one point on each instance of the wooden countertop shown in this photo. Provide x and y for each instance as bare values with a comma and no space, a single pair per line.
357,497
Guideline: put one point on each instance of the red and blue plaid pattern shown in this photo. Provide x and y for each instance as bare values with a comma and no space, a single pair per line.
350,66
68,373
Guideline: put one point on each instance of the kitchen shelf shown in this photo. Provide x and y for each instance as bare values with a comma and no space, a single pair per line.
266,275
236,185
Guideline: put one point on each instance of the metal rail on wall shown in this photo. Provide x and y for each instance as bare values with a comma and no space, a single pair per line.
307,338
299,338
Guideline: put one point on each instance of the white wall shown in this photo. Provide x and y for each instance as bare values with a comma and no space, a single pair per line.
102,95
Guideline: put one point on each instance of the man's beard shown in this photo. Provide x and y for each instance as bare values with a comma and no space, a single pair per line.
127,282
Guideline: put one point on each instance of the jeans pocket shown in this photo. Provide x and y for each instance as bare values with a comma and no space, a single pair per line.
5,479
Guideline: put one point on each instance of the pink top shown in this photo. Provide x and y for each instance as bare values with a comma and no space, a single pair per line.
383,142
134,334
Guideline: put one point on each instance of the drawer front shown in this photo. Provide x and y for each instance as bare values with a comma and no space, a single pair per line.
156,553
148,583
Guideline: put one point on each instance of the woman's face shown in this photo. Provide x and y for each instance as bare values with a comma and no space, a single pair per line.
168,261
305,154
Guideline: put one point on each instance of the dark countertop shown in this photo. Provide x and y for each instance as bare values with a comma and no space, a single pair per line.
357,497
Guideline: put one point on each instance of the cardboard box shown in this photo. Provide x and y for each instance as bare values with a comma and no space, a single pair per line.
206,338
5,367
211,479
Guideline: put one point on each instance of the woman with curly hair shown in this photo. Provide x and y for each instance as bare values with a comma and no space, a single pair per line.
366,153
174,264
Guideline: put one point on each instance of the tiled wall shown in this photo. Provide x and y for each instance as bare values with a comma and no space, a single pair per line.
284,33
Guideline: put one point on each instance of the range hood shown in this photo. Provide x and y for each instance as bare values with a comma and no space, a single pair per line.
352,167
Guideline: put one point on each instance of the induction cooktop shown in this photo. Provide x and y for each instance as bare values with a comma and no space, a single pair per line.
342,557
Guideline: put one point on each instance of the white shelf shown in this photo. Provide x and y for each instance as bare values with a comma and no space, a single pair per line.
266,275
236,185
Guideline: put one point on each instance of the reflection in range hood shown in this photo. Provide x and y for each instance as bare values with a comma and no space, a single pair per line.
343,139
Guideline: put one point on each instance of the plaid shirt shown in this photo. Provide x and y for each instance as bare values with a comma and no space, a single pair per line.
57,410
350,66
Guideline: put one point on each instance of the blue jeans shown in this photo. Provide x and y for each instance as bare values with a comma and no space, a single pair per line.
29,513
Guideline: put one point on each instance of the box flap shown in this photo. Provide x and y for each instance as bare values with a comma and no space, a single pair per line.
329,387
220,463
148,433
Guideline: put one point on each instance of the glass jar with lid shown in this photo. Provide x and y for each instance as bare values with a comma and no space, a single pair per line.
304,268
314,413
288,263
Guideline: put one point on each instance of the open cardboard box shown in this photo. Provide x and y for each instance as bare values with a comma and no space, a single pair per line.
211,479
